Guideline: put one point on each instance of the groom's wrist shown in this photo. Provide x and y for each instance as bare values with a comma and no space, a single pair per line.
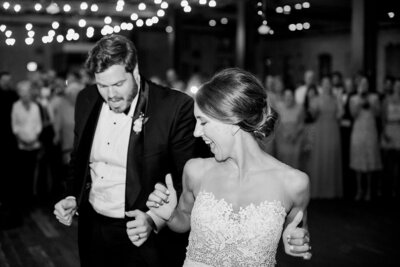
171,218
156,223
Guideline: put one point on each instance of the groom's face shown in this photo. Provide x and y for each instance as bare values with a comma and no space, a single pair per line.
117,87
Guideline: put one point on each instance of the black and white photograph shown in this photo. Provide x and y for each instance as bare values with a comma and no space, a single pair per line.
199,133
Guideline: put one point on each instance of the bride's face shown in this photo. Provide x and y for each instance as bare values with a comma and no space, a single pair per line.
216,134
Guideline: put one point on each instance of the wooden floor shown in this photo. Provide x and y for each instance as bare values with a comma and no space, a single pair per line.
344,233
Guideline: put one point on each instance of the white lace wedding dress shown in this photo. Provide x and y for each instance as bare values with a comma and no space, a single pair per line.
222,237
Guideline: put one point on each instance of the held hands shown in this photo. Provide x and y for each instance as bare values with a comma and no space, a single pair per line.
65,210
163,200
297,240
139,228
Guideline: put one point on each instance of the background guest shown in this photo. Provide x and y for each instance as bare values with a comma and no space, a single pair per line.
364,147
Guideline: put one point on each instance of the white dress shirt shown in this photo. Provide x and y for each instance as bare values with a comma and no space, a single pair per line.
108,160
107,164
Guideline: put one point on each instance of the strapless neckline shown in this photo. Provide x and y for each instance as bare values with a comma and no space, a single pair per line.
223,237
242,209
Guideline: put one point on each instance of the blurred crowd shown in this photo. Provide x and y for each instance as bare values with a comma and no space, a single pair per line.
342,132
37,115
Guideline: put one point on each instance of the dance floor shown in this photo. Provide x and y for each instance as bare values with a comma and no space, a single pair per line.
343,233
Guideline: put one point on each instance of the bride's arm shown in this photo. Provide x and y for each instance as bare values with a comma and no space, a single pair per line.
296,238
163,201
180,219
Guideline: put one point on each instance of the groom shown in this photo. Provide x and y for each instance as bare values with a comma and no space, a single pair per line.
129,133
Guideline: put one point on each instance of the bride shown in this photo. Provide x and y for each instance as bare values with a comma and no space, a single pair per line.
237,203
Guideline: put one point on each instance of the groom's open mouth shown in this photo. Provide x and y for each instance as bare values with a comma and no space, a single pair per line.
114,101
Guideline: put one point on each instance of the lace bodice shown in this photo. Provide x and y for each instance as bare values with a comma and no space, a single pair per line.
222,237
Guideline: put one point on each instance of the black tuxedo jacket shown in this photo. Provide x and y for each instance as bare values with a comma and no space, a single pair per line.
163,146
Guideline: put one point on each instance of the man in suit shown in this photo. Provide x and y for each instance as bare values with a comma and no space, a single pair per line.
129,133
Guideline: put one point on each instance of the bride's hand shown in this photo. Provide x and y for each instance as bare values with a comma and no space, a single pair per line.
163,200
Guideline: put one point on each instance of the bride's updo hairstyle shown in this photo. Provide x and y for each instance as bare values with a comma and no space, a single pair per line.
235,96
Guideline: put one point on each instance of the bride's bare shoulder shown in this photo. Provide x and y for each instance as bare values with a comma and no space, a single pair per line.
195,169
296,181
198,166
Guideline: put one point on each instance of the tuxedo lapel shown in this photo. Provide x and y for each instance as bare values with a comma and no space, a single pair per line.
86,128
134,168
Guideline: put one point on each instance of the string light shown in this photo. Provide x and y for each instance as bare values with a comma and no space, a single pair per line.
169,29
160,13
84,6
38,7
67,8
6,5
184,3
29,40
60,38
82,23
212,3
139,23
87,8
32,66
164,5
55,25
94,8
28,26
117,29
10,41
299,26
134,16
264,28
8,33
306,5
149,22
107,20
142,6
17,8
224,21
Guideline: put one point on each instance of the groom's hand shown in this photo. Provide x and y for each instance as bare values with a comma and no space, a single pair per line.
140,227
64,210
297,240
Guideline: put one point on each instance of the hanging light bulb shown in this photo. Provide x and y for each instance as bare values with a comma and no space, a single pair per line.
53,8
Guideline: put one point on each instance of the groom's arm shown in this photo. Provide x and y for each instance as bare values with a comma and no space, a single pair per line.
182,143
182,147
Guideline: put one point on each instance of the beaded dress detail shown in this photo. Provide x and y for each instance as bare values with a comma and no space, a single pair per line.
222,237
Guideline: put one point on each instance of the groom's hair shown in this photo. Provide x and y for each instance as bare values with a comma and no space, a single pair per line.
112,50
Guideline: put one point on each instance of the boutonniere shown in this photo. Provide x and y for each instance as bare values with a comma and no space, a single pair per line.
139,122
